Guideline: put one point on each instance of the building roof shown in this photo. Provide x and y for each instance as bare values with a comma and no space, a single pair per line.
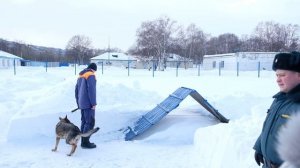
175,57
220,55
113,56
8,55
236,54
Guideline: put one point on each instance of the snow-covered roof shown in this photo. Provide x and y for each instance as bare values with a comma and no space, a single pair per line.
236,54
113,56
8,55
220,55
175,57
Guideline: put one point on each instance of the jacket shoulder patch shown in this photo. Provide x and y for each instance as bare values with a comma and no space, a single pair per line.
86,75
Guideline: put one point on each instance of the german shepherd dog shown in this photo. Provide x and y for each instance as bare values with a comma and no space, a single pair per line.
67,130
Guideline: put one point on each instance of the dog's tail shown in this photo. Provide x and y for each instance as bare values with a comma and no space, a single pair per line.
90,132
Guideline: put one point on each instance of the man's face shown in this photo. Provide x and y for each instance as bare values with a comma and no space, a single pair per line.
287,80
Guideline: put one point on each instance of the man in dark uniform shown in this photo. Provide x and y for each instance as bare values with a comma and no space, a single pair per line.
85,94
285,104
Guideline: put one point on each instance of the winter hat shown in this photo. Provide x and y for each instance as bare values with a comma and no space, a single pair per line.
287,61
92,66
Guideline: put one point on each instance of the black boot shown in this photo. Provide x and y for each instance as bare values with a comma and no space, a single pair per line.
88,139
85,143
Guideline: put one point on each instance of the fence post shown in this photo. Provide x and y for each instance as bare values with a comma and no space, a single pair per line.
258,68
219,68
102,67
46,64
15,67
153,68
128,67
75,67
199,69
237,68
177,65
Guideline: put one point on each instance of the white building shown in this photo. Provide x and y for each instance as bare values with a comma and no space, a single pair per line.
9,60
115,59
244,61
174,60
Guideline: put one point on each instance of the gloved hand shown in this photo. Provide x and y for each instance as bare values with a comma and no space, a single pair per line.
258,158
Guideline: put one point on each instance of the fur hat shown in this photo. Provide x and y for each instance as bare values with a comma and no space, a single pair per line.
92,66
288,142
287,61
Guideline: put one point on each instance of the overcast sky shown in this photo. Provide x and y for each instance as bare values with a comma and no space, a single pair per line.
52,23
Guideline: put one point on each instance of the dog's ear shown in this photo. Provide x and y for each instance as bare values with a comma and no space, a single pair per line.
66,119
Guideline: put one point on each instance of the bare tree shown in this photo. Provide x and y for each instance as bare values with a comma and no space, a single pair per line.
161,36
78,48
290,37
153,38
277,37
190,43
228,43
180,45
197,40
224,43
254,44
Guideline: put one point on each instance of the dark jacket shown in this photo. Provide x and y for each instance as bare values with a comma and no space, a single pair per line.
283,106
85,90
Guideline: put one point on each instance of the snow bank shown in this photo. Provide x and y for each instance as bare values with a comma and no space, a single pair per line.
230,145
189,136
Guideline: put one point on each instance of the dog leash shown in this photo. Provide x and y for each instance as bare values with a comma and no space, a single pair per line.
74,110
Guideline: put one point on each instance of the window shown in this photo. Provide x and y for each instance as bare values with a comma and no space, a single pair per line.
221,64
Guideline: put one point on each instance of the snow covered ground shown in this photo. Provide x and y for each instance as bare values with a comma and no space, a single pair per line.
189,137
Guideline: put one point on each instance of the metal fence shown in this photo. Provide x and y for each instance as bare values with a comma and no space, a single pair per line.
178,71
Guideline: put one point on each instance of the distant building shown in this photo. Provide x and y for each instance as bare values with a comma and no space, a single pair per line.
115,59
9,60
174,60
245,61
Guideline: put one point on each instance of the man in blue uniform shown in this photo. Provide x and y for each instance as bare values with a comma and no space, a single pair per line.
85,94
285,104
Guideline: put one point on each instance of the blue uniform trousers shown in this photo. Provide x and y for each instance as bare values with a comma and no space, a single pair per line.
87,120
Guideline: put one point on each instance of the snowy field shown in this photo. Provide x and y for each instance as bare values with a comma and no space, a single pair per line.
189,137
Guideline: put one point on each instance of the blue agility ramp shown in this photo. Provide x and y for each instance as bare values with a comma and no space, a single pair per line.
162,109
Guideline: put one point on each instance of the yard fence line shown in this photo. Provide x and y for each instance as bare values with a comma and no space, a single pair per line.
198,68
